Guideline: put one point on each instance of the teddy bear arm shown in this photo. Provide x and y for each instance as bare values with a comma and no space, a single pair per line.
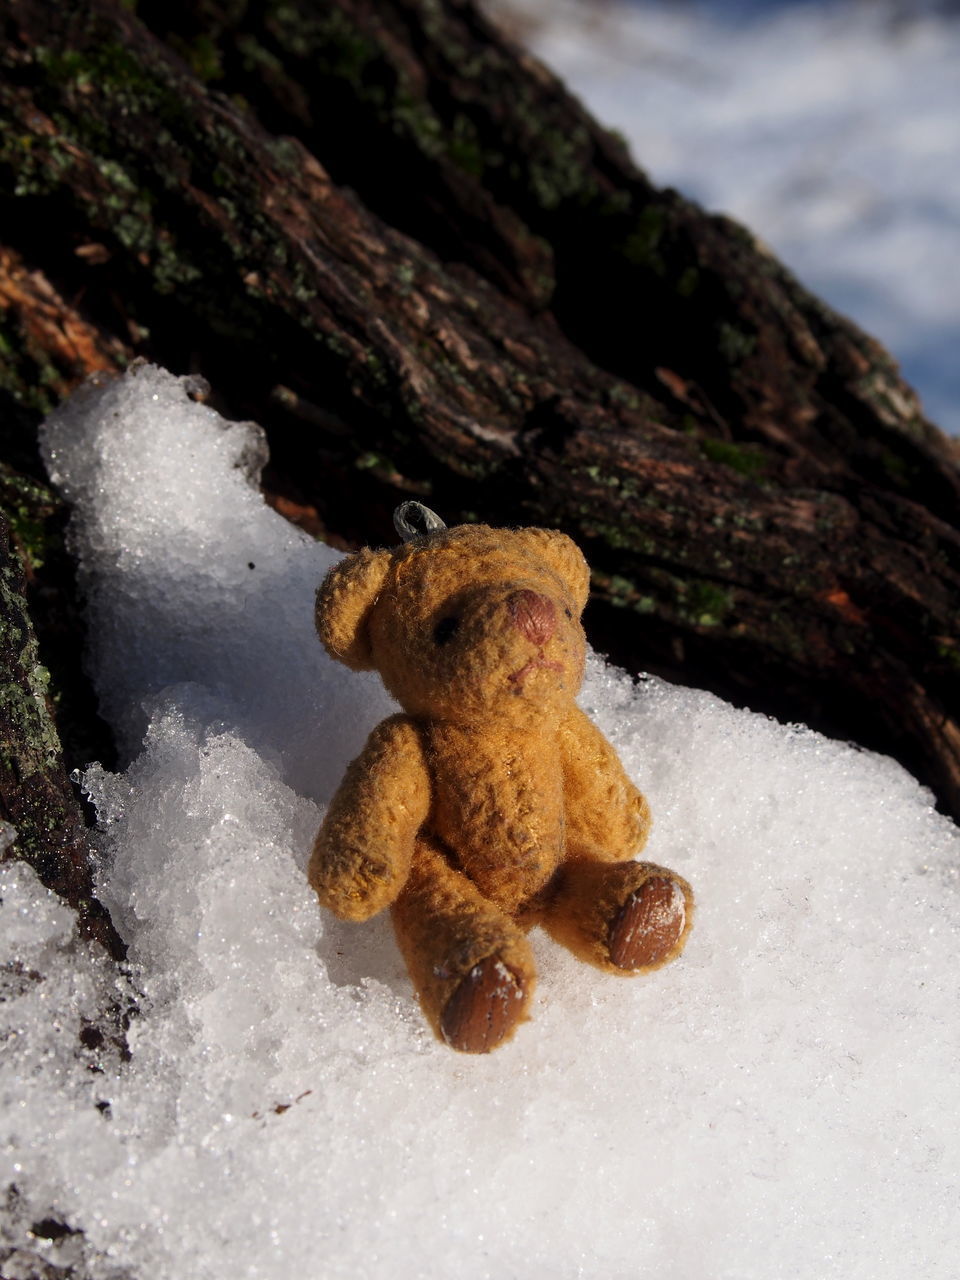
361,856
607,818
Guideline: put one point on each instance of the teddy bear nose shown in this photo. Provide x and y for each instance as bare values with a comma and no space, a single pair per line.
533,615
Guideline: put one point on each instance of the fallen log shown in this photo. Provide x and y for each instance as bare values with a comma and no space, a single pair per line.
398,243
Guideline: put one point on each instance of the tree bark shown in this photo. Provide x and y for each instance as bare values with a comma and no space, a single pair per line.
35,794
398,243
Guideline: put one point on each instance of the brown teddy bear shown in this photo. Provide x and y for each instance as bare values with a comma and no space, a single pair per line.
492,803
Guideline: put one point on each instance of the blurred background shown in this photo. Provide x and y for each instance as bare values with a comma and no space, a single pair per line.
830,127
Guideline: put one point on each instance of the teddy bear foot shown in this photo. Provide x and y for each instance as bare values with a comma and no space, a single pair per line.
484,1009
648,929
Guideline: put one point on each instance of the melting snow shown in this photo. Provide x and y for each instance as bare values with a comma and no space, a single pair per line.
781,1102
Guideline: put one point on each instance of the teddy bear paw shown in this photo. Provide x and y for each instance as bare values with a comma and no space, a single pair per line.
649,927
485,1008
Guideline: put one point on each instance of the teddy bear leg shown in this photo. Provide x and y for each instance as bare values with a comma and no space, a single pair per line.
623,917
470,964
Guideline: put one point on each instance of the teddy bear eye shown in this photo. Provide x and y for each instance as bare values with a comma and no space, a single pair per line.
568,613
445,630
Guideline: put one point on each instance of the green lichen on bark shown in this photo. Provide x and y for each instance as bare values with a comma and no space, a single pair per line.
28,507
35,794
28,740
748,460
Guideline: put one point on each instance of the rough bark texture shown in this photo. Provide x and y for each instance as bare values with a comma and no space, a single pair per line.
399,244
35,793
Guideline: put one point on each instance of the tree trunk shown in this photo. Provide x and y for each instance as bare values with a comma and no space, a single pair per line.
400,245
35,794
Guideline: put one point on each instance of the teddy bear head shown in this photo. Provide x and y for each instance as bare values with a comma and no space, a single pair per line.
463,623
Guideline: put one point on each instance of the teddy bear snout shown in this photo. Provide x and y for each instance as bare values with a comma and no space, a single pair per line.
533,615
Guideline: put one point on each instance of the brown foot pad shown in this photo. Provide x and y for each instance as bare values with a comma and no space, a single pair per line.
484,1009
649,925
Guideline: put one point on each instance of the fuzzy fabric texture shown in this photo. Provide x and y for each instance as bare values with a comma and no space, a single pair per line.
493,803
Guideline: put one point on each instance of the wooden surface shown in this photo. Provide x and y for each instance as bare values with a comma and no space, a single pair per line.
400,245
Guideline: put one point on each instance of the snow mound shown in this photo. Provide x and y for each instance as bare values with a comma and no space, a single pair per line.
782,1102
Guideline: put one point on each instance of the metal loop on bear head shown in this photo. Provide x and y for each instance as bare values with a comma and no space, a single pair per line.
414,520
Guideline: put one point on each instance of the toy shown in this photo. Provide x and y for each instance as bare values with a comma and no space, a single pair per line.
492,803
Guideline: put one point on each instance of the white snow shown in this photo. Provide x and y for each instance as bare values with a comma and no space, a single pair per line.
831,130
780,1104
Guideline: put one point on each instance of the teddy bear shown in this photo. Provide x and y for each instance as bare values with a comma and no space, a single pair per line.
491,803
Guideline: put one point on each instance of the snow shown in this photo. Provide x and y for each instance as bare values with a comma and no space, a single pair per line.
782,1102
831,130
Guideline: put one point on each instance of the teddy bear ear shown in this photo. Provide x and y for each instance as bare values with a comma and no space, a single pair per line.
344,601
564,557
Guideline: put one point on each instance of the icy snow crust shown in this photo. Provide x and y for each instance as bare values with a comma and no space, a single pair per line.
831,130
782,1102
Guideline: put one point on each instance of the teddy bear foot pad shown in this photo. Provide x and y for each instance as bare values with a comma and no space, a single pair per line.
649,926
484,1009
